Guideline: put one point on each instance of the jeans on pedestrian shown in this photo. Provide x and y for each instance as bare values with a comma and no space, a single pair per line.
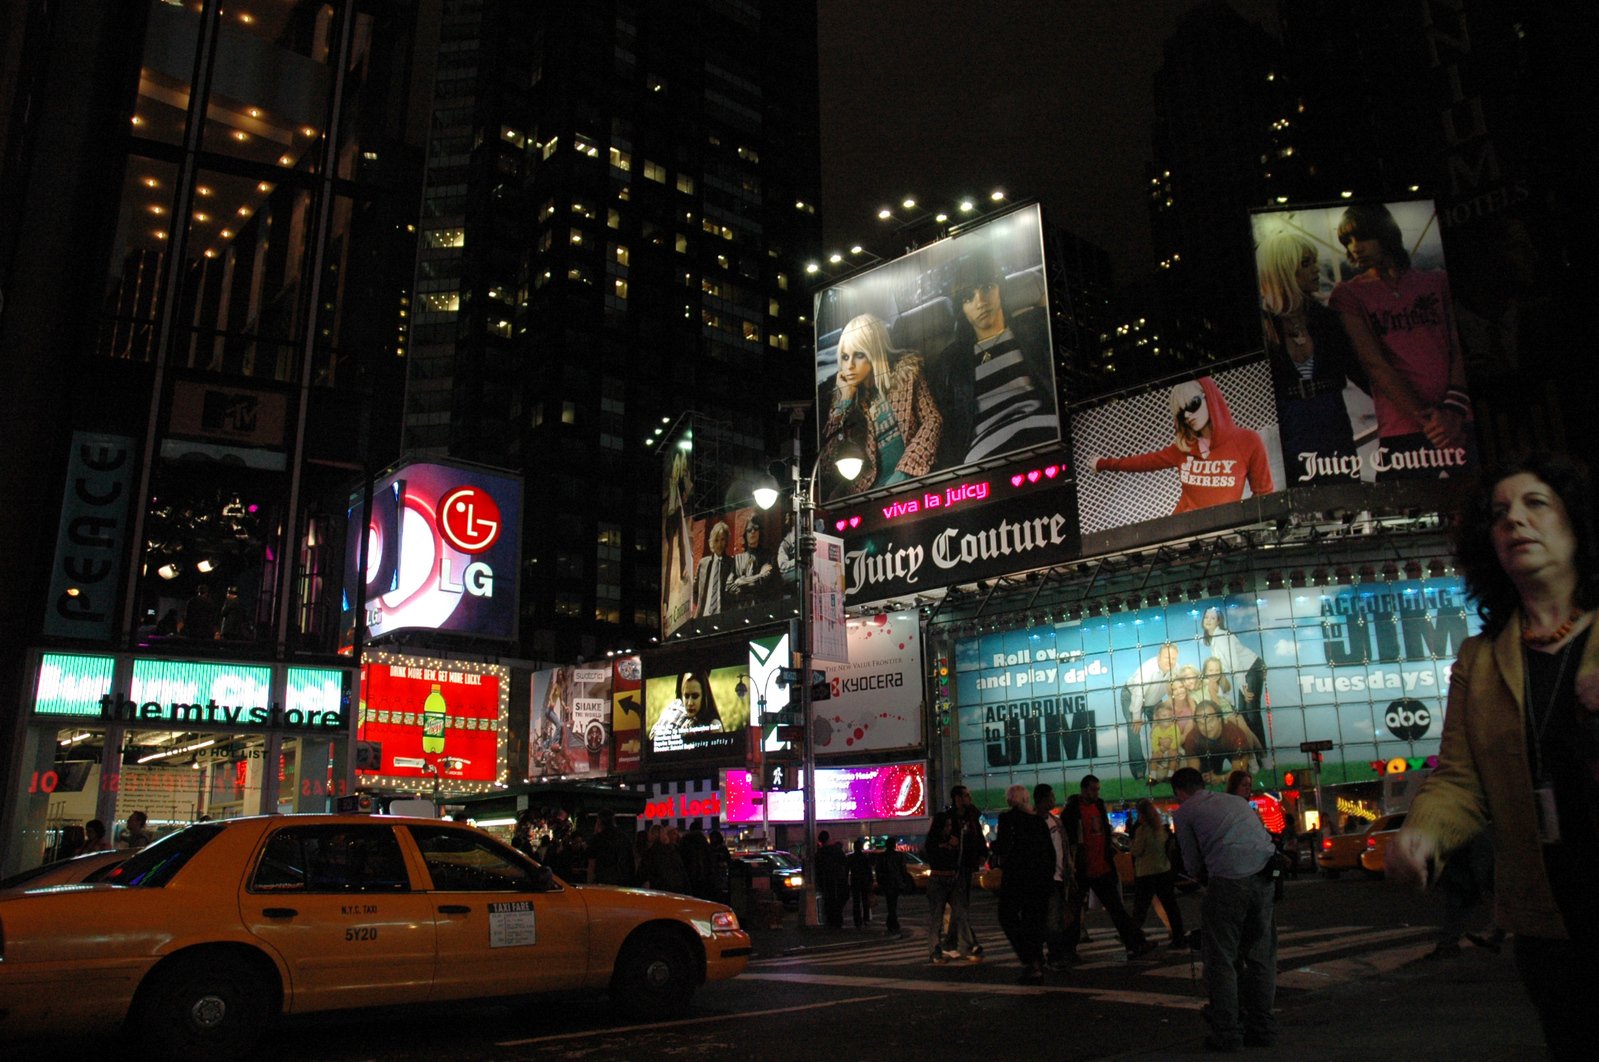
860,904
1238,925
1164,888
1108,887
1057,921
961,937
1558,976
891,911
941,892
1022,913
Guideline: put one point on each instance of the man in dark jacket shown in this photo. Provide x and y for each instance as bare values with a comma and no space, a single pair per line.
1087,826
1026,860
860,883
954,848
832,878
891,880
610,854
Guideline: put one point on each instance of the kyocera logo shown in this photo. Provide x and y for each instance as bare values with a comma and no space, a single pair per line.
469,520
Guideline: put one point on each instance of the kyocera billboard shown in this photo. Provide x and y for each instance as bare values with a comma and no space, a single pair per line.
939,359
441,553
433,719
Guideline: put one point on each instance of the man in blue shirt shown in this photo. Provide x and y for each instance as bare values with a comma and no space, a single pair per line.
1226,846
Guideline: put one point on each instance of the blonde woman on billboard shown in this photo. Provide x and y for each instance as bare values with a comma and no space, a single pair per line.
1214,457
886,406
1401,321
1311,361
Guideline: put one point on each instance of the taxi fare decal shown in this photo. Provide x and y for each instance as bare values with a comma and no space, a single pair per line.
511,924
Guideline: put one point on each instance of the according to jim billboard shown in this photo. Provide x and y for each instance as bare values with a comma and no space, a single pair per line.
939,359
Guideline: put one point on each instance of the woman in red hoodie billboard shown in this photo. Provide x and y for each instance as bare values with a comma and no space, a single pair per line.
1214,457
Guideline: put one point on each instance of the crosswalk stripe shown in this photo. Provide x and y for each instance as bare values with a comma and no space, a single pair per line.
1107,995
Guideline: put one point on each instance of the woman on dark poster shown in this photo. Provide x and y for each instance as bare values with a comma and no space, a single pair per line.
1312,361
887,409
1215,458
1402,325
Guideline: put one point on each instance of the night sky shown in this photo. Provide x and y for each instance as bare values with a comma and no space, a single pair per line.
1049,99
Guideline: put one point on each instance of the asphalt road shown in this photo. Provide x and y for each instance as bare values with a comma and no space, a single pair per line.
1353,984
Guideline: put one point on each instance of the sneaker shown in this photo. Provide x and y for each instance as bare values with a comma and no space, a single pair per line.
974,956
938,959
951,953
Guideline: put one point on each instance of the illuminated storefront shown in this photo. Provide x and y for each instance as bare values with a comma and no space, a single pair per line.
107,735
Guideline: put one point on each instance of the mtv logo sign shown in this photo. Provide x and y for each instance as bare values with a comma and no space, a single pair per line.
229,411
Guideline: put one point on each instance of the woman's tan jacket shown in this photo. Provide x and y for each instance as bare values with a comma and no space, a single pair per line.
1484,774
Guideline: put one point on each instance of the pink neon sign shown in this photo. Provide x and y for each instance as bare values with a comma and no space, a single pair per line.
843,794
968,491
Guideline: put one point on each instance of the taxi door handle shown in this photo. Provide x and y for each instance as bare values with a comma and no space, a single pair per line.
454,908
278,912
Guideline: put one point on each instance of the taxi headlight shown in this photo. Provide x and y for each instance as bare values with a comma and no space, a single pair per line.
724,922
795,882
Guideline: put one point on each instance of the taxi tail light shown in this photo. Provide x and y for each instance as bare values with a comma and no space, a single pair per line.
1326,844
1371,843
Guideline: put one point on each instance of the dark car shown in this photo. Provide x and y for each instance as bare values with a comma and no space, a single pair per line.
786,871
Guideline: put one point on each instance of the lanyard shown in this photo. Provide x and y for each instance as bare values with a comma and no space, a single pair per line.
1540,726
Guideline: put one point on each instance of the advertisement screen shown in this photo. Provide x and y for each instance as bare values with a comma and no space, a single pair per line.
939,359
1219,684
1199,443
1365,350
698,711
739,568
571,722
975,527
875,700
843,794
627,713
442,553
433,719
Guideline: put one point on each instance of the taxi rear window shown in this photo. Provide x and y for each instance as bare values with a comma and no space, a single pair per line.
155,866
331,859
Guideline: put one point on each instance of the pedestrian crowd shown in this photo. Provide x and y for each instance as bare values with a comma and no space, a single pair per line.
692,862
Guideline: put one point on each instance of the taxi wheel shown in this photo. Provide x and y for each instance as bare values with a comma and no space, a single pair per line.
655,976
202,1008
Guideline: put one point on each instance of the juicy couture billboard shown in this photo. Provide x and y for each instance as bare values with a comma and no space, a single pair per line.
976,527
1235,682
1365,350
938,360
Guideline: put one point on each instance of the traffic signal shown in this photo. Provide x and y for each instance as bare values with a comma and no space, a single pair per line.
781,777
942,701
1289,780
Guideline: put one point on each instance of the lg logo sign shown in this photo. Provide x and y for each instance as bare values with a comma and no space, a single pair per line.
1408,720
469,519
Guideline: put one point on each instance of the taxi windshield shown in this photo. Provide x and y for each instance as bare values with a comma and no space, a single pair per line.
155,866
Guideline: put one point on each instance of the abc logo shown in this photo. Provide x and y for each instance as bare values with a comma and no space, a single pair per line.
1408,720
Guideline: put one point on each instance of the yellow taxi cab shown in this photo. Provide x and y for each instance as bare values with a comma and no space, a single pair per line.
1342,852
1376,847
198,940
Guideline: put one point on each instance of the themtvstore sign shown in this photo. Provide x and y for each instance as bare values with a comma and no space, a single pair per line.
191,694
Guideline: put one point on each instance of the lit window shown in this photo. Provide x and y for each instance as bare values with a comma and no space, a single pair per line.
621,159
621,288
782,282
619,253
681,243
752,331
613,218
442,301
585,148
513,136
568,413
655,171
685,184
551,145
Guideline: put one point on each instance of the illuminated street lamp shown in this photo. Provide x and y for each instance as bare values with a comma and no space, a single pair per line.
848,460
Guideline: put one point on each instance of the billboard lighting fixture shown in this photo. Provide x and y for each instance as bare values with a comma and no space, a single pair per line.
909,203
835,258
205,566
1346,194
884,213
967,206
941,217
167,571
997,195
811,267
857,249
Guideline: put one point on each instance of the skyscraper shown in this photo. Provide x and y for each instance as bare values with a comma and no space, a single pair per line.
616,200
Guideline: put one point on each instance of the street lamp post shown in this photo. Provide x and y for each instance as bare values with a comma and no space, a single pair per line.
848,459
